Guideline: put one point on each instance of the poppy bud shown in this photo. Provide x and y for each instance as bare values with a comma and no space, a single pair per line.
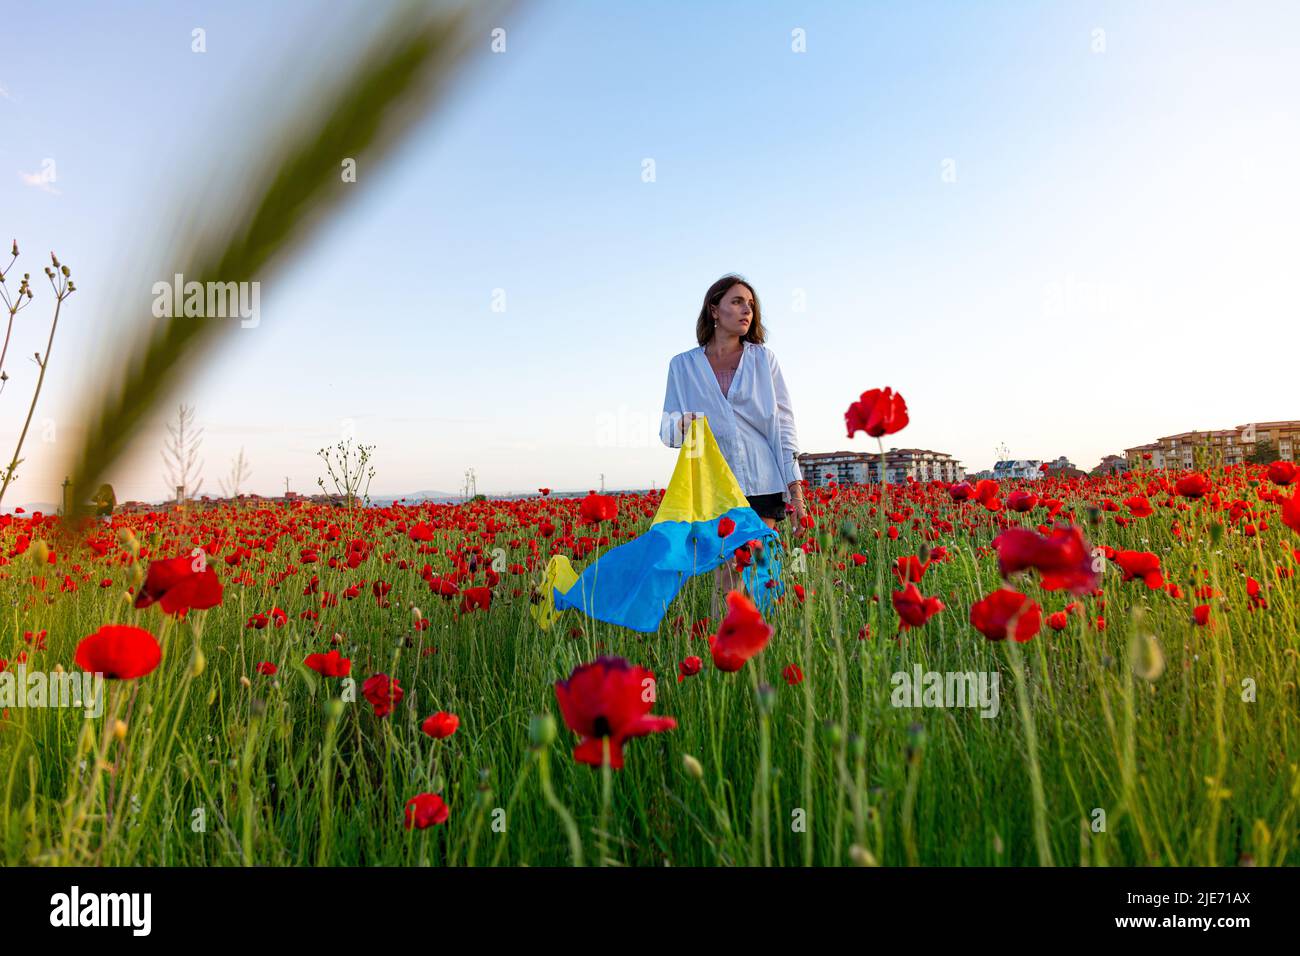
40,553
127,539
861,856
857,745
1216,533
849,531
693,766
541,730
1147,658
833,733
119,729
334,708
766,698
199,662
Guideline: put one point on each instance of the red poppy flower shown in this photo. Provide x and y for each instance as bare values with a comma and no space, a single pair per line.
1022,501
909,568
1191,486
688,668
877,412
1139,506
961,491
426,810
992,616
119,652
1282,472
475,599
597,508
329,665
383,692
608,698
792,673
1057,620
1291,513
1201,615
986,493
725,526
1140,564
743,634
440,725
176,584
441,586
1062,559
267,668
913,608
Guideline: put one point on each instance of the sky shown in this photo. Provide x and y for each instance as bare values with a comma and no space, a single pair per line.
1062,228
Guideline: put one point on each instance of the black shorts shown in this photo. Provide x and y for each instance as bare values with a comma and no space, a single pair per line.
768,506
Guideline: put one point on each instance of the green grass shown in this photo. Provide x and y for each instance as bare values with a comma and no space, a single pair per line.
1185,770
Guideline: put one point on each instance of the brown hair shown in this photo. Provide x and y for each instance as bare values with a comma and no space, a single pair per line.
704,324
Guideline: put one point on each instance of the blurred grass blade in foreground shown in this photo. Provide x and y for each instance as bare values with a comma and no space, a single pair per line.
253,226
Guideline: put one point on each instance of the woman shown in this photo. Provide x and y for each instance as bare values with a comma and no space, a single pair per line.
734,381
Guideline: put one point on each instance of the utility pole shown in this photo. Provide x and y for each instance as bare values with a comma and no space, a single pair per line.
66,481
602,482
286,486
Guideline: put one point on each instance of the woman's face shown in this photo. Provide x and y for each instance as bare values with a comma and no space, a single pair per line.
735,313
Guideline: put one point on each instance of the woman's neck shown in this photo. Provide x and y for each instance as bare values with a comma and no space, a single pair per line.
723,345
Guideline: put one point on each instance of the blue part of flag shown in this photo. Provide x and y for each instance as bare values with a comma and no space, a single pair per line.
633,584
764,568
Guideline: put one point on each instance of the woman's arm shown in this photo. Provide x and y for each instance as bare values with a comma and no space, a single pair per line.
670,427
790,470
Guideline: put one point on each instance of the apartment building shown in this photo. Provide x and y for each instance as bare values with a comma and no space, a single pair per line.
1225,446
860,467
1027,469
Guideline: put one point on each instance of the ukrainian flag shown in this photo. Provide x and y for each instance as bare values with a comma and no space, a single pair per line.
633,584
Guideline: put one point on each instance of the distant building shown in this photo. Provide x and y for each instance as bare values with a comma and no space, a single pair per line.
1227,446
861,467
1111,465
1027,469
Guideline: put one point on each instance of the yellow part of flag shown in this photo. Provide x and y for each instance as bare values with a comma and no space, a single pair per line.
702,487
559,573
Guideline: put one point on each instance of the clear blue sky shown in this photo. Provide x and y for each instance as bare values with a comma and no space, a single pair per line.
1115,259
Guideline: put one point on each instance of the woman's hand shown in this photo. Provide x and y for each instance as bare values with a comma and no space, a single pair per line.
687,418
797,502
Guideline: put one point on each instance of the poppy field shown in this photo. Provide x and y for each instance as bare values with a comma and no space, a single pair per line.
370,686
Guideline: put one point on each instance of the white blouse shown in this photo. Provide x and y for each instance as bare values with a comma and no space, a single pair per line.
753,422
